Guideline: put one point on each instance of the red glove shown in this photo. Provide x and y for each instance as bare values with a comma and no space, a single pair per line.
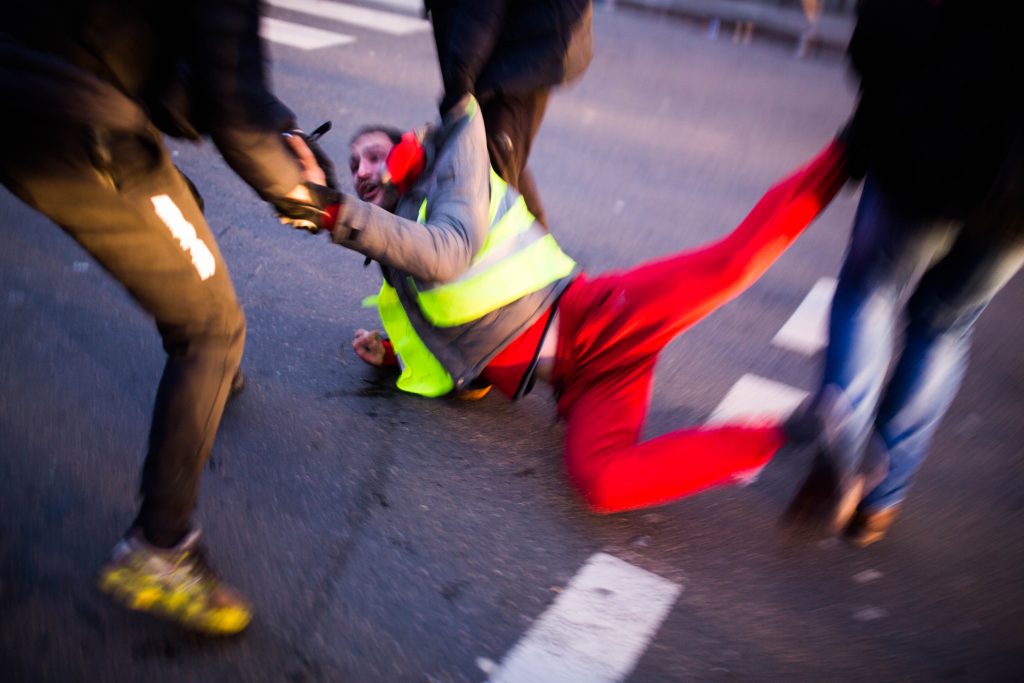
405,162
390,357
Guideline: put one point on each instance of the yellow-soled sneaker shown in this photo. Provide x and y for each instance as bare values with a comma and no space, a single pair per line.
173,583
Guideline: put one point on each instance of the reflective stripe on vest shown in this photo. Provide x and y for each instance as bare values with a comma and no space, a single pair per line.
518,258
422,373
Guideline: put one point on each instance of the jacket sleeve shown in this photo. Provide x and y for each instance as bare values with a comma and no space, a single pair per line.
457,186
242,115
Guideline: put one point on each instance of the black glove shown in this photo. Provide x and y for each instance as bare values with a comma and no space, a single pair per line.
319,214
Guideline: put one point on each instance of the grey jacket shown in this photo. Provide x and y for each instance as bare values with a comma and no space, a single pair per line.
456,185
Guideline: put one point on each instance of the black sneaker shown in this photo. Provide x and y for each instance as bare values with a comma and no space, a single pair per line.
804,425
835,485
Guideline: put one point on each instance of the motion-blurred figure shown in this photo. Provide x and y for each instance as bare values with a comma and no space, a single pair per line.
937,136
812,13
475,287
509,55
85,86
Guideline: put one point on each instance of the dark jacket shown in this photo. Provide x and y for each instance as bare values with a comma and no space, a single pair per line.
190,67
939,119
500,46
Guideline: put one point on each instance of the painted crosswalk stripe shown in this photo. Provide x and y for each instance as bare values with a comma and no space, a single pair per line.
412,6
297,35
385,22
754,397
596,629
806,331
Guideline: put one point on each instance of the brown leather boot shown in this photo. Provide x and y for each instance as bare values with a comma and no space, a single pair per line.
867,527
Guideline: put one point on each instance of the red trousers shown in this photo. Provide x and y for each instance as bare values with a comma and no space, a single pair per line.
613,327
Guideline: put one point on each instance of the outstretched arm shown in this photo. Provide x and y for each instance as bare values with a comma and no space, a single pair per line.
243,116
720,271
456,185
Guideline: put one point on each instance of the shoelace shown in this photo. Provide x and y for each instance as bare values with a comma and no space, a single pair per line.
196,566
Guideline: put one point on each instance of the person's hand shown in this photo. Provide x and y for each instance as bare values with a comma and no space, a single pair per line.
315,203
312,207
309,164
369,346
300,193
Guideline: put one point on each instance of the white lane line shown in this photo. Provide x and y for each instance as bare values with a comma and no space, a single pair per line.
867,576
870,613
386,22
755,397
601,624
413,6
596,629
806,331
302,37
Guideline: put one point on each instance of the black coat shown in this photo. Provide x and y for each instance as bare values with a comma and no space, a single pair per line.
500,46
939,121
191,67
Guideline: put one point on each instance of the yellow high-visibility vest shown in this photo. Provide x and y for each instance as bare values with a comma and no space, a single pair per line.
518,258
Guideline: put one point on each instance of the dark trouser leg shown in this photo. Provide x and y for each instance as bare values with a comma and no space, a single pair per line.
512,122
119,196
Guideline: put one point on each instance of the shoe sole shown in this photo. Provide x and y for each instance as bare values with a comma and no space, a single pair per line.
473,394
863,540
822,505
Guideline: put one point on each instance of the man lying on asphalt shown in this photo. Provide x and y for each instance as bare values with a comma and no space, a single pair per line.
474,287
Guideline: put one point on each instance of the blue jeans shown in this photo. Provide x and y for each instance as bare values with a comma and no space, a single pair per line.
954,274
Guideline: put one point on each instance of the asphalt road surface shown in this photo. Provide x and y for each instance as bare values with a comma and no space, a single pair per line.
387,538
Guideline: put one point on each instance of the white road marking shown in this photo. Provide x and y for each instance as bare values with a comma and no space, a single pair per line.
754,397
599,626
80,267
867,576
806,331
385,22
414,6
596,629
302,37
870,614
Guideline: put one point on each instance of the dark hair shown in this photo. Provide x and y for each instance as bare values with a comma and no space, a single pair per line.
394,134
